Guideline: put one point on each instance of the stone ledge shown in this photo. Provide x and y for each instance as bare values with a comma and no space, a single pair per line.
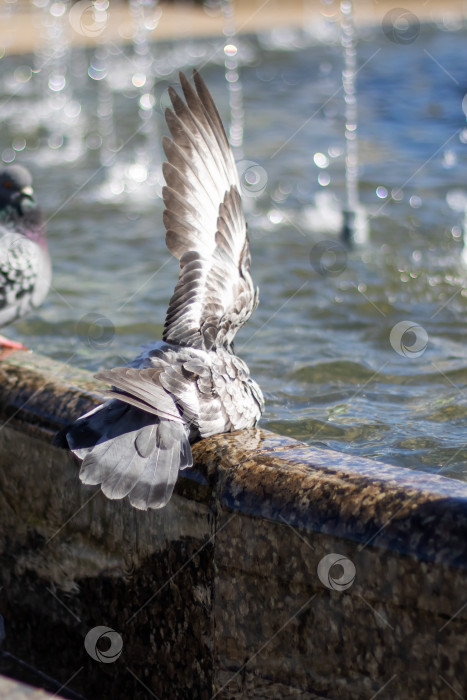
268,475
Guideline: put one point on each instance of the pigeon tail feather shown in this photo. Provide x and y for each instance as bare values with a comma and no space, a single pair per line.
130,452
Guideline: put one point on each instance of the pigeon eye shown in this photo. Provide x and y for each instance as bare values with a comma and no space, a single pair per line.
8,184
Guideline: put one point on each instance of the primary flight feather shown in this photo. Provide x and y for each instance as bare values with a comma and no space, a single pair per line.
191,384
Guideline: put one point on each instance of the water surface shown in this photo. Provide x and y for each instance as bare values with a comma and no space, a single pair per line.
319,343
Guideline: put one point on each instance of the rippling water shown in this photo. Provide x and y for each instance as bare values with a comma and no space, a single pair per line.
319,343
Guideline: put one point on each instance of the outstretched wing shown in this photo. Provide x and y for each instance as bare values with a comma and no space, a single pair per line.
206,228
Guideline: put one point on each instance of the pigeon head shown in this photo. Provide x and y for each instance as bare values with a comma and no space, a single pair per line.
18,207
15,187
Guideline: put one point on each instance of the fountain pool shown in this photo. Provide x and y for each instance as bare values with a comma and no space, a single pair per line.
326,343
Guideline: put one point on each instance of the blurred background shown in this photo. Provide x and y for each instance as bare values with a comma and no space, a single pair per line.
348,124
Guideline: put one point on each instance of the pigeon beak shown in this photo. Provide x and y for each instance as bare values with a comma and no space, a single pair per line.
28,192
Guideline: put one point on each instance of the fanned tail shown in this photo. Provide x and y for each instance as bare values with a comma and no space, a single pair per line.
130,453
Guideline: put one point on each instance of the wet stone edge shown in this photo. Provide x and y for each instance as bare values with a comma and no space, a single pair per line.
266,475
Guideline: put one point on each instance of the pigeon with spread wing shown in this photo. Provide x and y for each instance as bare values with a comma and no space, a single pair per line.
191,384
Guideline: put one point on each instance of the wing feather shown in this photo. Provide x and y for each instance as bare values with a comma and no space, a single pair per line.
205,224
141,388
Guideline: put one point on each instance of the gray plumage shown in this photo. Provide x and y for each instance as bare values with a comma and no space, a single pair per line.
189,385
25,270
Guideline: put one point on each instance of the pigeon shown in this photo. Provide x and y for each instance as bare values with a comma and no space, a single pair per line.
189,385
25,268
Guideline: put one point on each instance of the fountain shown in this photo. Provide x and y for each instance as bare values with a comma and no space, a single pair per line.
327,214
146,166
98,70
464,235
355,224
72,562
456,200
57,109
39,105
233,81
138,172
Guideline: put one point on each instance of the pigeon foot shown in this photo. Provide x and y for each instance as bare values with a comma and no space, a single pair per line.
11,344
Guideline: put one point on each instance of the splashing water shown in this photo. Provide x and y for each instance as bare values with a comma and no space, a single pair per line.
355,225
134,173
233,80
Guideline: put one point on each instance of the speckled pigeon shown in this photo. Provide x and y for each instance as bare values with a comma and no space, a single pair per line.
191,384
25,270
